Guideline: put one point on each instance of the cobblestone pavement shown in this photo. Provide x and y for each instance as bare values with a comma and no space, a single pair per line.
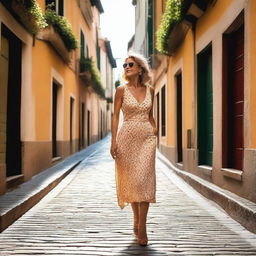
81,217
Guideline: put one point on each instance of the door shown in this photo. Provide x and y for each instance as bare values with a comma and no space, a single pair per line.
234,99
71,124
54,119
158,113
83,128
179,116
13,103
205,107
163,111
88,127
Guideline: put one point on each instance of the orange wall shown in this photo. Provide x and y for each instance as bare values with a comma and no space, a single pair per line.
182,60
212,16
44,60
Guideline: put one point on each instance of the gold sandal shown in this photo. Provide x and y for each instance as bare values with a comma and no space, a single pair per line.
143,241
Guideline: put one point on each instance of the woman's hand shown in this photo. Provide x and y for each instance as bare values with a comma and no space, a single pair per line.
155,131
113,150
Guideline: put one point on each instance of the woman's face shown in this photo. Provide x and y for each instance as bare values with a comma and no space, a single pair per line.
131,68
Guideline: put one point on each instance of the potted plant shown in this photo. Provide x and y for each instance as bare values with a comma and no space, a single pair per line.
30,15
59,34
90,75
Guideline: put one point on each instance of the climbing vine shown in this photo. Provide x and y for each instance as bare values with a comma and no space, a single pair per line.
171,16
87,64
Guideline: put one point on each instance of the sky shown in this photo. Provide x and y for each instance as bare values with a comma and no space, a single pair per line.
118,25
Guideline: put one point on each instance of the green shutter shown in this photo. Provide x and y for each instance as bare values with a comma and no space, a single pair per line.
205,108
82,44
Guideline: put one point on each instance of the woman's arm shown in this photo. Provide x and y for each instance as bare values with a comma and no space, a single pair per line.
151,118
115,119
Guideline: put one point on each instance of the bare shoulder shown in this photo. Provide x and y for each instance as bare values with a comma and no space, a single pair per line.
120,88
120,91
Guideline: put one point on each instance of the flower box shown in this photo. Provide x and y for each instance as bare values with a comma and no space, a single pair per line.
86,77
50,35
31,21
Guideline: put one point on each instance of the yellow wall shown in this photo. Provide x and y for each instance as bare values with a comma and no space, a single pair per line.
183,61
44,61
212,16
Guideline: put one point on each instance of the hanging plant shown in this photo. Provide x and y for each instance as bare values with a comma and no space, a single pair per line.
87,65
171,16
30,15
62,27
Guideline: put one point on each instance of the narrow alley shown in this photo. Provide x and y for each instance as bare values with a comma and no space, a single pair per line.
81,217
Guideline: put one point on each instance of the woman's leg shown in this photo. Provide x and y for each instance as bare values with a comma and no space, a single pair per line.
142,234
135,209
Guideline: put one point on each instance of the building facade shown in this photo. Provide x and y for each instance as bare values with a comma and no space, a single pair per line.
53,101
143,37
205,95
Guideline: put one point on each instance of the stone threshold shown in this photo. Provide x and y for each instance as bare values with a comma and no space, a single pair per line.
240,209
15,203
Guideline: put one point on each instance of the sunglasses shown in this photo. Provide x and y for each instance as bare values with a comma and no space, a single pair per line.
130,64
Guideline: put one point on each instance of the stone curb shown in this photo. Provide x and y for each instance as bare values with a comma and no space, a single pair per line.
240,209
15,203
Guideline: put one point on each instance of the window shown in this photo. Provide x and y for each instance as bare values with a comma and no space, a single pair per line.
56,5
84,50
82,44
98,51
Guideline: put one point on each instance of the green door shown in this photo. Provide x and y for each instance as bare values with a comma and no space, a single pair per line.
205,106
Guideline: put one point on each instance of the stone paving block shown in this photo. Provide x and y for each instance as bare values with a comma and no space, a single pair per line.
81,217
15,203
241,209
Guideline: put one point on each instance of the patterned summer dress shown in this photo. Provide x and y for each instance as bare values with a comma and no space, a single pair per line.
136,148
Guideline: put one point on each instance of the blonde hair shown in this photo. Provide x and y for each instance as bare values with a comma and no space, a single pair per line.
145,77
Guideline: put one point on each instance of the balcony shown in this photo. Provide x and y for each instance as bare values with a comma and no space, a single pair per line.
178,18
59,34
90,76
50,35
30,15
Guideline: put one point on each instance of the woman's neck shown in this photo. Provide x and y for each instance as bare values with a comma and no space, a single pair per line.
134,81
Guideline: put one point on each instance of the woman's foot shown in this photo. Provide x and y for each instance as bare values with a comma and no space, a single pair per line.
142,236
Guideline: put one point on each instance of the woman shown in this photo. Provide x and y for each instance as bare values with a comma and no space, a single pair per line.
134,147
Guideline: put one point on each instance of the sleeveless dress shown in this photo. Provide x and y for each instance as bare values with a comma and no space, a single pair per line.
136,149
